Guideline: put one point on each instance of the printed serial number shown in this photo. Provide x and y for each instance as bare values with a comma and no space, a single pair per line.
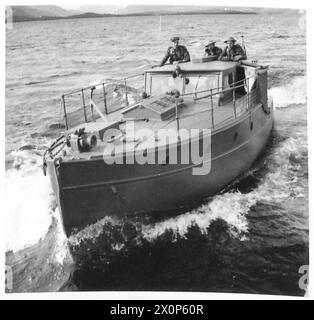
178,309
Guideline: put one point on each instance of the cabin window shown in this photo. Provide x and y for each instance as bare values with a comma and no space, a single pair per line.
227,80
201,83
163,84
238,78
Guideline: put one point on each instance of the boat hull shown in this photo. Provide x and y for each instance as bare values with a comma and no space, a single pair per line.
89,190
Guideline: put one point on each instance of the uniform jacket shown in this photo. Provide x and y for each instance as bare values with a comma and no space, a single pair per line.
234,54
176,54
216,51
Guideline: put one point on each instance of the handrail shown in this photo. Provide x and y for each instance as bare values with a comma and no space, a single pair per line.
81,91
101,83
137,75
213,89
212,92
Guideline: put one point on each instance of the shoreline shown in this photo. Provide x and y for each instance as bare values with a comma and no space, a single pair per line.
95,15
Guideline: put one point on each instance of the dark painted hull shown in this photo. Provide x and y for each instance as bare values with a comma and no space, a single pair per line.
89,190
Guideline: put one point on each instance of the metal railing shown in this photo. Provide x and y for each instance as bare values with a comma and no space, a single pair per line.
98,96
79,100
240,103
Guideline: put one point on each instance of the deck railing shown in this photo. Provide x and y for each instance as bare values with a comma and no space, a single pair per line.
241,103
77,107
98,95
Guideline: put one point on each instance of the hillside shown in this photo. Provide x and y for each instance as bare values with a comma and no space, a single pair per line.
173,9
29,12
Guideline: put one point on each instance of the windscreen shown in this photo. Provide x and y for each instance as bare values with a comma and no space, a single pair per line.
201,83
187,84
164,84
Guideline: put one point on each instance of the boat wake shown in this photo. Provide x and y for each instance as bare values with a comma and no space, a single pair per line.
290,94
29,199
36,246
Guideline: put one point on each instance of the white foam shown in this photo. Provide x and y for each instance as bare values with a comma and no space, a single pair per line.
61,249
230,207
292,93
92,231
29,202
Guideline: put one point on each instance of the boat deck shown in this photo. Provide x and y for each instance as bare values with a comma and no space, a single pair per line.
191,115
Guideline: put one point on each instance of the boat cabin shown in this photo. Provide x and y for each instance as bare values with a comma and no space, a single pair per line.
186,92
197,78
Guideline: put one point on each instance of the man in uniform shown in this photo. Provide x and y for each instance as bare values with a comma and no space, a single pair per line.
232,52
212,50
176,53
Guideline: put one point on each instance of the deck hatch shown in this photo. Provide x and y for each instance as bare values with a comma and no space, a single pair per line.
159,108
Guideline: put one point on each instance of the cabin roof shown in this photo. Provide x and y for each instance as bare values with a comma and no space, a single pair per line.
212,66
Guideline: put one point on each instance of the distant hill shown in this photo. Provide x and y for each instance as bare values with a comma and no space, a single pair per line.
88,15
52,10
194,12
29,12
174,9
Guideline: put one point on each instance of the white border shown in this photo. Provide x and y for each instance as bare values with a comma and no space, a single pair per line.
109,295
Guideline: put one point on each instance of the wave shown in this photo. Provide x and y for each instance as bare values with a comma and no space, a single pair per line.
68,74
292,93
29,201
35,82
226,207
30,83
280,36
35,243
27,147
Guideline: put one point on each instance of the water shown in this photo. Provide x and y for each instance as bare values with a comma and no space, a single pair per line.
251,238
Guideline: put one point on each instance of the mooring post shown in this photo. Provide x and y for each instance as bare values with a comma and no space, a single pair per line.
83,100
105,100
126,93
145,79
91,102
177,118
64,110
248,93
233,96
212,108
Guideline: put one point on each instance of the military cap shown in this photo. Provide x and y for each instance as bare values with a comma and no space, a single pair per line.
210,42
230,39
173,39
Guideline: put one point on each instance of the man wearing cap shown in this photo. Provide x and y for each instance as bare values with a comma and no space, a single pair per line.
212,50
232,52
176,53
